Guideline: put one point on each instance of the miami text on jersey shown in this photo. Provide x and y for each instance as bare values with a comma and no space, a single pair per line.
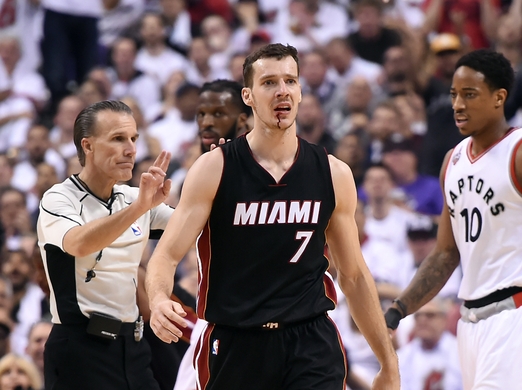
260,213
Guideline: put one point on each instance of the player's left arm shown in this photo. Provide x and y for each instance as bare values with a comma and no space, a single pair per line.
354,278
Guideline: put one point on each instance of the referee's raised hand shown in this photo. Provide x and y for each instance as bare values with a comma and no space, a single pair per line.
154,189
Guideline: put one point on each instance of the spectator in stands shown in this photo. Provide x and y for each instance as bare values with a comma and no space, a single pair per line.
199,10
127,80
222,41
17,372
118,19
6,171
446,49
430,360
62,132
37,150
46,177
235,67
29,301
385,220
310,24
177,18
91,92
372,39
473,21
386,120
441,132
311,123
351,150
24,82
70,37
16,114
14,217
38,335
422,193
200,70
352,113
399,76
6,305
345,64
314,77
155,58
178,129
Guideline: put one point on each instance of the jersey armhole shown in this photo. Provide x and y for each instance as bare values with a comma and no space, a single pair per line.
512,171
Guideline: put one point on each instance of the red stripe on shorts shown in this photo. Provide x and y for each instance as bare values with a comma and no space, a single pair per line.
201,358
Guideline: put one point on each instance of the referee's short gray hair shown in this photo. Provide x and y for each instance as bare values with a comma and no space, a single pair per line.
85,124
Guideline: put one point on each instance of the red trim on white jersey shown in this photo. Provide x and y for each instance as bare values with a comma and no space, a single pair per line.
473,159
516,183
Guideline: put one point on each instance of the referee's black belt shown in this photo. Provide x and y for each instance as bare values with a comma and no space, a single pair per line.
127,328
515,292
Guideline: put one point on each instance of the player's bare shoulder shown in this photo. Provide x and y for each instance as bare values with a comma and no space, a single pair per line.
340,170
342,180
205,174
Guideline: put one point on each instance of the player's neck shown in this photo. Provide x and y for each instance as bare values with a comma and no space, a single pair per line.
273,144
276,153
483,140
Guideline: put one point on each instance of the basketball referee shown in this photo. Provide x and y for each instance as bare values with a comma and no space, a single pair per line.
92,232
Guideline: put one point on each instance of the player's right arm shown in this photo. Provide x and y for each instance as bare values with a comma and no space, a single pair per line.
185,225
433,272
95,235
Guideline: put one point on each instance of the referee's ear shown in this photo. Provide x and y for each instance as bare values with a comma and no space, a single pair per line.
86,146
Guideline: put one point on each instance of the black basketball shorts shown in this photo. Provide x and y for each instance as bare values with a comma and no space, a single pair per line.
308,355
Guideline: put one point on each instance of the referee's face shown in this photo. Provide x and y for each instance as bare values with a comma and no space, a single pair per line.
112,148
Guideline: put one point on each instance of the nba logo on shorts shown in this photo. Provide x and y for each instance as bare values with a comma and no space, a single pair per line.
136,229
215,346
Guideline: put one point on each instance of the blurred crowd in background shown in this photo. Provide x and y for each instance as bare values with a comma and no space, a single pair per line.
375,76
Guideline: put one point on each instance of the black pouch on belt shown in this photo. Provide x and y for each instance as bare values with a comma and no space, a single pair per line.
104,325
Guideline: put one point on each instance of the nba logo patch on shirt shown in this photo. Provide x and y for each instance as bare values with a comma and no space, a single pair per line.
215,346
456,157
136,229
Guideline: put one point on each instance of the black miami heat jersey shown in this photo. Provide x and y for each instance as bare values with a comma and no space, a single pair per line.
261,253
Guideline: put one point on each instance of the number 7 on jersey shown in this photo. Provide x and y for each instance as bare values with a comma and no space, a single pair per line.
305,236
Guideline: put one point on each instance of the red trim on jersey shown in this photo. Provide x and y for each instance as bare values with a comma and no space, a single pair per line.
476,158
329,288
204,255
341,345
517,184
202,357
517,298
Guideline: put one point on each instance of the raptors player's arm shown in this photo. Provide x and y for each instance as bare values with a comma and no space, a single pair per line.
436,268
186,223
354,277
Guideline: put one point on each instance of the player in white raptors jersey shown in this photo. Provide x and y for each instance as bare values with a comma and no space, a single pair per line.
480,227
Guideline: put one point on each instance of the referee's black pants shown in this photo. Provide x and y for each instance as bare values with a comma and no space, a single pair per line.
73,359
